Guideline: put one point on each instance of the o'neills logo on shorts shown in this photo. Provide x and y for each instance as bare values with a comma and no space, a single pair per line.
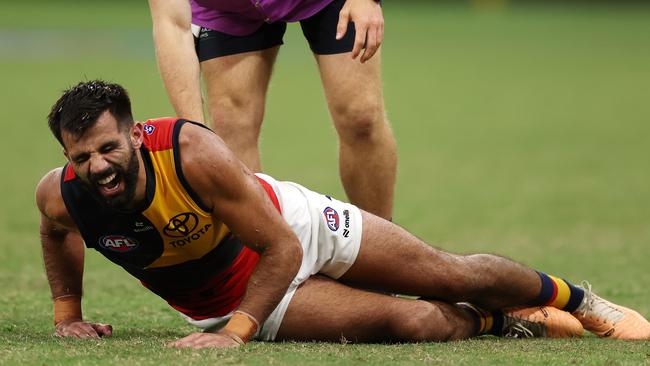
346,223
332,218
118,243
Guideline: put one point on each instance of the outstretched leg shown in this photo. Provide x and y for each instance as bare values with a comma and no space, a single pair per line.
325,310
391,259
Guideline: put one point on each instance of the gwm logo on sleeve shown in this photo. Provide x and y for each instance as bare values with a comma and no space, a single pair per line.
332,218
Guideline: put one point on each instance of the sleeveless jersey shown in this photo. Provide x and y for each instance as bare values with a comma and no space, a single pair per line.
173,245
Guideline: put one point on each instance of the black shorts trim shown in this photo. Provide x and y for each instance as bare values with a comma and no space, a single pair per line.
319,30
212,44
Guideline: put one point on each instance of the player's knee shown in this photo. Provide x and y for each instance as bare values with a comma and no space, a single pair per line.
421,322
237,115
359,121
468,277
483,274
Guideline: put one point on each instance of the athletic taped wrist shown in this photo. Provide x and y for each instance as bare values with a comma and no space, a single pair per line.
242,325
67,307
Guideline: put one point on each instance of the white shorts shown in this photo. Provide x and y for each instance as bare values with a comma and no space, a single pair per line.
330,234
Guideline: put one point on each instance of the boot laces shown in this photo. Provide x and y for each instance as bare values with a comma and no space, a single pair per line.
595,306
519,328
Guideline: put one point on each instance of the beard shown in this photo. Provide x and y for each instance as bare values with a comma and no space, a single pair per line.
126,175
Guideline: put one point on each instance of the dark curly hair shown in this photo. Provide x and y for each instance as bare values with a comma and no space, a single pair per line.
81,105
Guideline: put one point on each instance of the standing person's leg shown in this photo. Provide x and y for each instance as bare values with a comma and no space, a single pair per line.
236,87
236,71
367,149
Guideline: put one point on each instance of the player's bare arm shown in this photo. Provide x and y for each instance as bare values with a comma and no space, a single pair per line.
237,198
177,60
63,255
368,23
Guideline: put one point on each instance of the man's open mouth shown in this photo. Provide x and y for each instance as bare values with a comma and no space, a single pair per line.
109,185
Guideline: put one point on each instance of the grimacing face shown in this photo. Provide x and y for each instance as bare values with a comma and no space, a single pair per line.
105,159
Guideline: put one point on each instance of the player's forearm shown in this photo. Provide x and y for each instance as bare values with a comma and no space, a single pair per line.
63,257
275,270
179,69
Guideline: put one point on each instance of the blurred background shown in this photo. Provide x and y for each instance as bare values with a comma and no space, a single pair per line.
523,128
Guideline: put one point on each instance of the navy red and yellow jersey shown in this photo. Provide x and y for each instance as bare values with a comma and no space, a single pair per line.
173,245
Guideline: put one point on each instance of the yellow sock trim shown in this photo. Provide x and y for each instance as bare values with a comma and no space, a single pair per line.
489,323
486,320
563,293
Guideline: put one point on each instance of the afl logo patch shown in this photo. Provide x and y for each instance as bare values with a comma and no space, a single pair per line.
118,243
149,129
181,225
332,218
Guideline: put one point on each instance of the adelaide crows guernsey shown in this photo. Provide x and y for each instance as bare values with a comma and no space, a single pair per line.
173,245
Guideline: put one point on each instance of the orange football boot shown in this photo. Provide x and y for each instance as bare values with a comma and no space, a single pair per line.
541,321
606,319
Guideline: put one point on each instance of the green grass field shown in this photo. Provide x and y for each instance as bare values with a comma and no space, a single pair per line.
521,131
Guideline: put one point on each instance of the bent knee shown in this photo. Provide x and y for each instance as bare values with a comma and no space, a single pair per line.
420,322
470,277
360,121
486,272
240,113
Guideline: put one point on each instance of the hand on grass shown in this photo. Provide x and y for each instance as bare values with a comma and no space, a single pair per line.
368,23
81,329
204,340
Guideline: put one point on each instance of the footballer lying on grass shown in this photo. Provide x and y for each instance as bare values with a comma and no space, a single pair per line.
245,256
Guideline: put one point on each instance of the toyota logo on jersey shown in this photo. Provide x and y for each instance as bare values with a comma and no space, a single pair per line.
181,225
118,243
332,218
